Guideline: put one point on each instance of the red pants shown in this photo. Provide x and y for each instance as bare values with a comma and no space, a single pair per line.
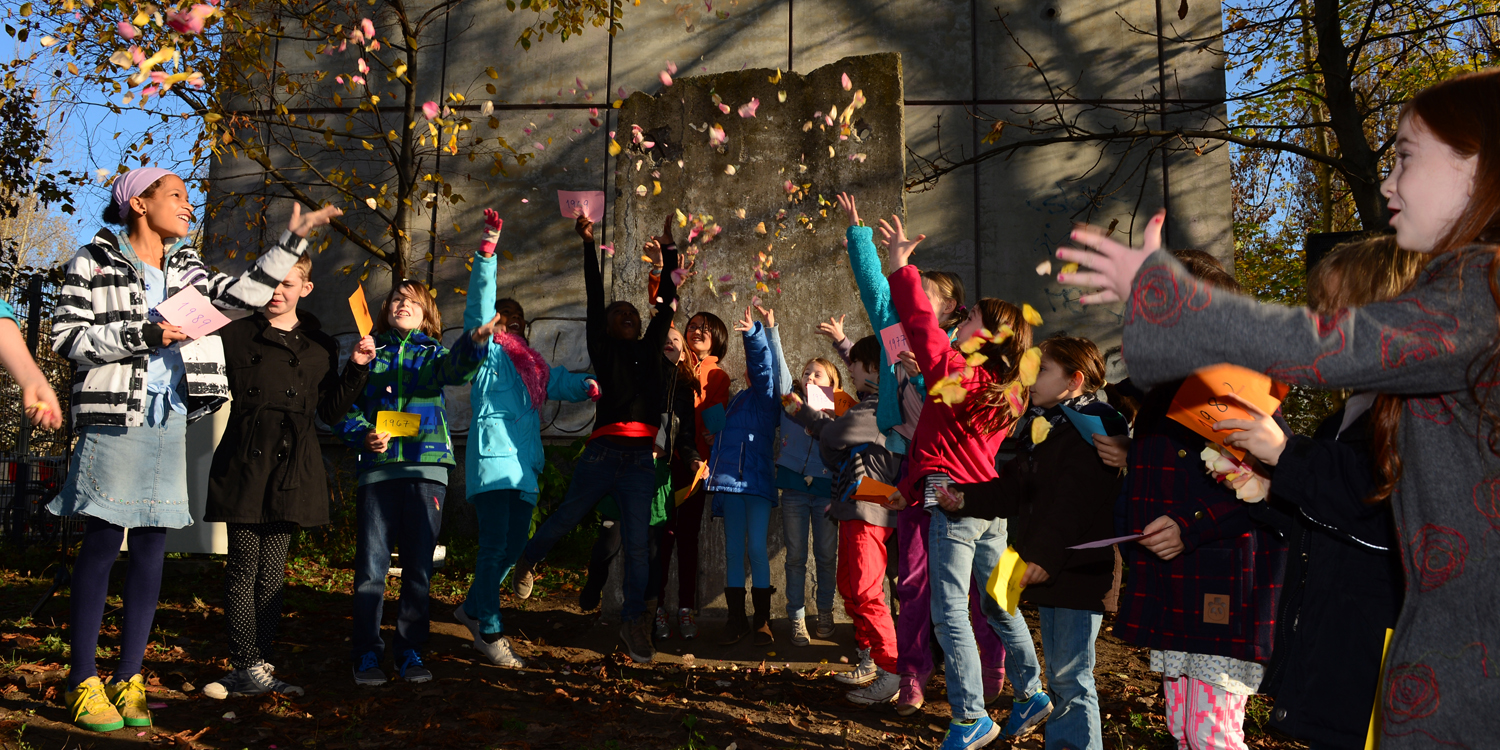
862,562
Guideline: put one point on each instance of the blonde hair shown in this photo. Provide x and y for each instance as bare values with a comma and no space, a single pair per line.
432,318
304,264
1360,272
949,286
833,372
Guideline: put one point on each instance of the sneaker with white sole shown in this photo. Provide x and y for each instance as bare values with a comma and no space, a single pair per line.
687,625
367,671
862,673
662,628
969,736
824,629
882,689
262,674
237,684
476,628
499,653
411,669
799,633
1026,715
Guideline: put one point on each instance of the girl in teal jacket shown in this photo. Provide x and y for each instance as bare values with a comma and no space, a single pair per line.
505,453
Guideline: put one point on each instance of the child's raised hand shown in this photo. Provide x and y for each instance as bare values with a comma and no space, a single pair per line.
769,315
584,227
851,210
666,232
1259,436
492,226
591,389
377,442
1109,266
302,223
652,250
896,243
833,329
483,334
364,351
747,323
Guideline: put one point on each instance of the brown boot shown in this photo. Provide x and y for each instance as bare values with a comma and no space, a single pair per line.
738,625
761,598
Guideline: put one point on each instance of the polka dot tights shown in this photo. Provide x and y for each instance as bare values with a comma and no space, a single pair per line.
254,580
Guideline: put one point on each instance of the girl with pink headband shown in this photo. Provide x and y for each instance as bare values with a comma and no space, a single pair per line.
140,381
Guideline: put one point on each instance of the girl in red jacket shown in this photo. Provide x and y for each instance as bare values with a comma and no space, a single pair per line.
955,442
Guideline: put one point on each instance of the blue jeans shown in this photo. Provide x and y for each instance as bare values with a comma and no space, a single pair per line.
405,514
504,523
629,475
1068,637
747,518
960,550
800,510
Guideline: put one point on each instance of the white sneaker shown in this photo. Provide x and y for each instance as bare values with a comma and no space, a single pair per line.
499,653
799,633
663,628
882,689
463,618
261,674
686,624
862,673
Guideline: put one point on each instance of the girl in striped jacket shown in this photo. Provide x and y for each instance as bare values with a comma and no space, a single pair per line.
134,392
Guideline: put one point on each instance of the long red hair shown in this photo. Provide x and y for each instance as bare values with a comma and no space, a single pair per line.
1464,113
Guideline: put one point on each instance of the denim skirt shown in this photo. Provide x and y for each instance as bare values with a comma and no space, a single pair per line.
131,477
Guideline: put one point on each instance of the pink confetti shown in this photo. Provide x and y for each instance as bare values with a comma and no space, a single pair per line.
430,110
126,30
724,108
358,79
525,200
577,130
678,274
725,277
789,187
579,81
367,26
716,136
666,78
538,146
140,734
608,250
190,21
847,83
648,145
364,68
748,109
593,111
339,80
621,92
594,122
672,67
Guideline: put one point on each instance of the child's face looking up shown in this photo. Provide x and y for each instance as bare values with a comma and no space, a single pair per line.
406,313
815,374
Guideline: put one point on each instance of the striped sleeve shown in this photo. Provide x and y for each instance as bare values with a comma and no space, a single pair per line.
239,296
80,335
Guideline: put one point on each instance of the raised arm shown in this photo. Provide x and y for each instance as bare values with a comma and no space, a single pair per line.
760,362
778,361
935,354
481,293
665,294
1422,342
596,328
564,385
239,296
875,293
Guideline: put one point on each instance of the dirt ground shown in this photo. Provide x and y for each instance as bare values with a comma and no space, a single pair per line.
579,690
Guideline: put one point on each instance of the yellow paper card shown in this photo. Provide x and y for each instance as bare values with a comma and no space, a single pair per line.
1372,738
397,423
1005,580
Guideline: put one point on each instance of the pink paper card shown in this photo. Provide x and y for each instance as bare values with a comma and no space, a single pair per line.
820,398
192,312
590,202
893,339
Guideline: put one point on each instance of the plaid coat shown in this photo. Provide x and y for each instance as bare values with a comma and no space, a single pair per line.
1230,568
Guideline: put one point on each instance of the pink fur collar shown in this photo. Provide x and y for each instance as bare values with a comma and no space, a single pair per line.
531,366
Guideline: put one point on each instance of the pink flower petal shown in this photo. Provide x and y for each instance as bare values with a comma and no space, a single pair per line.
672,67
538,146
666,78
748,109
126,30
846,82
430,110
368,27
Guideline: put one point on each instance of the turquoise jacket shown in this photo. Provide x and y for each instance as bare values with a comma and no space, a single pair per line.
505,434
875,293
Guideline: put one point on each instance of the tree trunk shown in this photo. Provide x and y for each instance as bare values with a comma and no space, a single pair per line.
406,169
1361,169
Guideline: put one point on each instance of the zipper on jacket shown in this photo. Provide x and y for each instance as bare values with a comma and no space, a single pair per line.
401,387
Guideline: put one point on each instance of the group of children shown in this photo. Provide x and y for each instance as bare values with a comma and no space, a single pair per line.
1290,597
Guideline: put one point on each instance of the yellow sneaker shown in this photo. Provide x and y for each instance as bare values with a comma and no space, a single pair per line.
91,709
130,699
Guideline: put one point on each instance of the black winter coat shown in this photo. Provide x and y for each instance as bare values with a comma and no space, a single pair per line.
1343,587
632,374
268,466
1057,494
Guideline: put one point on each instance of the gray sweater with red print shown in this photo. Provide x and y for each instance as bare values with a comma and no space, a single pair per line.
1439,688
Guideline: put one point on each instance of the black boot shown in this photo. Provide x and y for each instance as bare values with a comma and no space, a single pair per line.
761,598
738,626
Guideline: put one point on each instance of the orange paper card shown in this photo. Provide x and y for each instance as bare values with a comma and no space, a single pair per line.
872,491
361,310
683,494
1199,402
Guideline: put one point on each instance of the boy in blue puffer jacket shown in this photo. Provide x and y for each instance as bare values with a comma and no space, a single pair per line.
505,447
743,475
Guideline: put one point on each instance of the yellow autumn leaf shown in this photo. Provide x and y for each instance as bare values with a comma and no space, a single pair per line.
776,78
974,343
1030,314
976,359
950,390
656,189
1015,395
682,218
1039,429
1001,335
212,117
1070,268
614,148
1031,363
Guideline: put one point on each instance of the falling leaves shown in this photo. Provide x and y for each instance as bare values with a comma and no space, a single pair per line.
716,136
614,148
666,78
1070,268
776,78
845,82
1039,430
748,109
1044,268
429,109
1031,363
950,390
729,169
1031,316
